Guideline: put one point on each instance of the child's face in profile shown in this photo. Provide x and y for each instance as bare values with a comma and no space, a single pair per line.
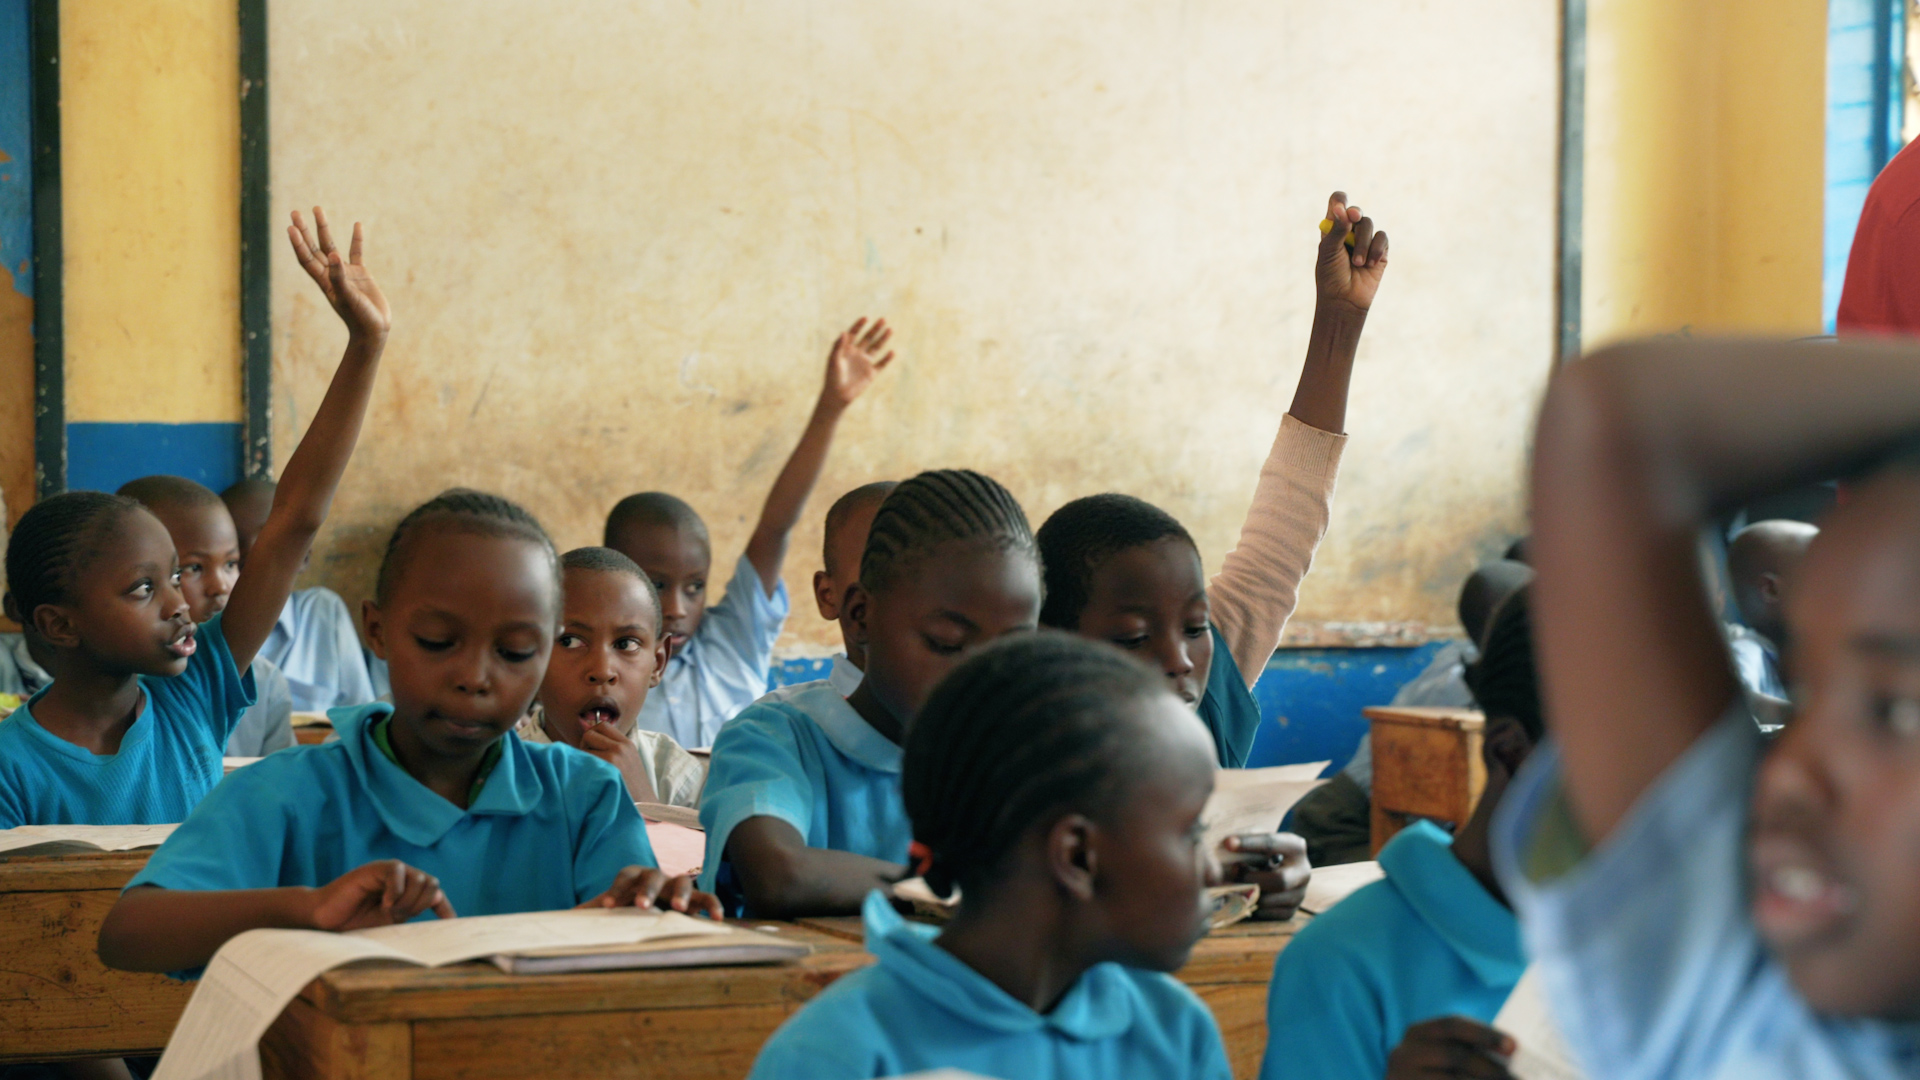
606,658
1835,849
678,561
465,632
937,611
126,606
209,552
1151,600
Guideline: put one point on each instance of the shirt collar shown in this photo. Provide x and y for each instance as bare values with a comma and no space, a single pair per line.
845,677
1099,1005
408,808
845,728
1420,864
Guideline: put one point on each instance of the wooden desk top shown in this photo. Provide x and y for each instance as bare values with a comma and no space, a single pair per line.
1419,716
69,871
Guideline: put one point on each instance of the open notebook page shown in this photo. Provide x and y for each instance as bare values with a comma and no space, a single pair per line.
1254,800
104,837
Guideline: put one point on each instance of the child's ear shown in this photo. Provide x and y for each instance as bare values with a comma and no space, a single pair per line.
1770,587
823,597
1071,856
659,662
376,632
1507,745
853,610
56,626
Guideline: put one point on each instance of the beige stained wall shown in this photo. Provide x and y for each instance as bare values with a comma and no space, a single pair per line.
618,238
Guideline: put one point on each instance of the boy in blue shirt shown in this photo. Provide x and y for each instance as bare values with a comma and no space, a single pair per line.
844,539
717,657
1694,907
1436,938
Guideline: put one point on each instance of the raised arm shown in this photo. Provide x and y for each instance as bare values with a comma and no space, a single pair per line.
1259,582
307,484
851,366
1637,447
783,878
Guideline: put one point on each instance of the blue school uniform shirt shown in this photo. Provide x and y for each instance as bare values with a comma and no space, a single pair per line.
919,1007
803,755
1227,707
315,645
550,828
723,669
168,759
1646,947
1428,941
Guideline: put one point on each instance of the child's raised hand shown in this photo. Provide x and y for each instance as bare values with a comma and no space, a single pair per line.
355,296
854,361
644,886
1279,866
1451,1046
605,742
377,894
1346,276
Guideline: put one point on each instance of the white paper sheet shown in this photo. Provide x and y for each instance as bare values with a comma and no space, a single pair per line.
1542,1053
1254,800
685,817
1332,884
104,837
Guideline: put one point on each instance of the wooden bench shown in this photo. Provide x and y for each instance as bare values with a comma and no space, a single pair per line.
1426,764
57,1000
1230,969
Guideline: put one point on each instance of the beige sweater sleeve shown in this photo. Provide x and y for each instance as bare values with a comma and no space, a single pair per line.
1259,582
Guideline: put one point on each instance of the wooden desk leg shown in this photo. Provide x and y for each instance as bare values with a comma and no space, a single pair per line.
306,1044
1382,824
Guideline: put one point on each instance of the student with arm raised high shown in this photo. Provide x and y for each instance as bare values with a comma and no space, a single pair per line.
1699,905
143,701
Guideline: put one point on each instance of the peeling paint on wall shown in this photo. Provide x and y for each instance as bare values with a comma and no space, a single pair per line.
618,238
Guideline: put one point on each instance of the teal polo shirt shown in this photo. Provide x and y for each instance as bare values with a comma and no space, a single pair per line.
1426,942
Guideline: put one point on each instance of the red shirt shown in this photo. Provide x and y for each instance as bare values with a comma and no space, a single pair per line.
1882,290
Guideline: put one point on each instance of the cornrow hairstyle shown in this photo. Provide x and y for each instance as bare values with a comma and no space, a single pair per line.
54,543
1504,680
652,508
1086,532
1029,725
937,507
843,508
462,510
607,560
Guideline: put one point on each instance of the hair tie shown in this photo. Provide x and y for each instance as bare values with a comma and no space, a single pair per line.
922,858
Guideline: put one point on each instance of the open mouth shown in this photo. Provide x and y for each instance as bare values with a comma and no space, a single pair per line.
600,711
1797,895
184,643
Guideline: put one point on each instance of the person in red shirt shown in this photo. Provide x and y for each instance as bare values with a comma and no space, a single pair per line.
1882,292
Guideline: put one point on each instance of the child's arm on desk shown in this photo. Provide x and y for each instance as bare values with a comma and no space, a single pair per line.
155,929
783,878
851,367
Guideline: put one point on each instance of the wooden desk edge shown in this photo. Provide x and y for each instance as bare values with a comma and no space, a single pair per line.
70,872
1423,716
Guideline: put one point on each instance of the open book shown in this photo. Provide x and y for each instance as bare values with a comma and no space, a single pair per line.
61,839
1332,884
1254,800
253,977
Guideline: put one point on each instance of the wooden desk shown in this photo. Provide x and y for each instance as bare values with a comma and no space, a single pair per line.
57,1000
473,1022
1426,763
1230,969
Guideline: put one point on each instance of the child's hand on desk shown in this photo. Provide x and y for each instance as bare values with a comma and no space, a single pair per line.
854,362
1281,870
377,894
1349,277
605,742
355,296
1452,1046
643,886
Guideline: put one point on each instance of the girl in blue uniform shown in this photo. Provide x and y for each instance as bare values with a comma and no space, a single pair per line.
427,804
803,800
130,732
1059,786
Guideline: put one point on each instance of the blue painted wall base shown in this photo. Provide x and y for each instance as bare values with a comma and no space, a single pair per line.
102,456
1310,699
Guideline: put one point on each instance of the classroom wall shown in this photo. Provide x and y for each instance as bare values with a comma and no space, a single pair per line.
618,238
1705,152
16,264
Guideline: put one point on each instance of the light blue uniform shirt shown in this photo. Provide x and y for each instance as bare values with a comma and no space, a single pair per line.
168,759
801,754
315,645
1756,660
267,725
1428,941
1647,948
551,828
723,669
919,1007
20,674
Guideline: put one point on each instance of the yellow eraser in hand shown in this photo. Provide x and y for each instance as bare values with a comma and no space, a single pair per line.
1326,226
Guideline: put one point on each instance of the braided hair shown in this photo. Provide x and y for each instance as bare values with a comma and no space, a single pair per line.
1086,532
53,544
608,561
461,510
1504,680
937,507
1027,725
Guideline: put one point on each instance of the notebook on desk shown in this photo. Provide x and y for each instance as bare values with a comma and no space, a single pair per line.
61,839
